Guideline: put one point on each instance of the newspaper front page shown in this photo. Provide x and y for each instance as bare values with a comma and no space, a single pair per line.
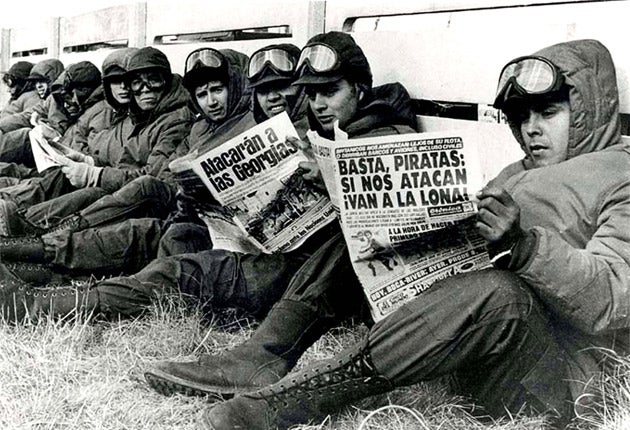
256,179
406,205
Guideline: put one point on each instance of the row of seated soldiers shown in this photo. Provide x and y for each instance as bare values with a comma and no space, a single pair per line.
526,336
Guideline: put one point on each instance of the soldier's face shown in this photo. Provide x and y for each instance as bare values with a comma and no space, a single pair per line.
212,98
336,101
273,98
120,90
545,130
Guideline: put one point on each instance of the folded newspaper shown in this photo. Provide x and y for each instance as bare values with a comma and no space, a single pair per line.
255,177
47,153
406,204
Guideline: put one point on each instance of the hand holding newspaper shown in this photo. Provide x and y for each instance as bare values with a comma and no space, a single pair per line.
267,206
406,208
47,153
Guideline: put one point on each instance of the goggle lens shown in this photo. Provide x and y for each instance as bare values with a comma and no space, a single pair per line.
207,57
81,93
530,75
151,81
278,58
321,58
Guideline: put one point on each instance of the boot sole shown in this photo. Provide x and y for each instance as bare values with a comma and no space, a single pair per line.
169,385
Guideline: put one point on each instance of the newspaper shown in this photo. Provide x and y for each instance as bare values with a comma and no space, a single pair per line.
406,204
256,179
47,153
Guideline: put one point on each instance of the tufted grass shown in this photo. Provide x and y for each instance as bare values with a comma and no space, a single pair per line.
73,374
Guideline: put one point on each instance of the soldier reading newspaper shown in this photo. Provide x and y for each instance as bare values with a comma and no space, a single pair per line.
406,208
266,206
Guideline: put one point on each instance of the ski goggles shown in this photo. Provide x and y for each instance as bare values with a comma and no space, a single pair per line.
75,94
203,57
10,81
531,75
277,59
152,81
320,58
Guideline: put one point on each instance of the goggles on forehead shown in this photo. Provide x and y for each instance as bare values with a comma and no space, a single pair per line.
531,75
153,81
321,58
11,81
278,59
204,57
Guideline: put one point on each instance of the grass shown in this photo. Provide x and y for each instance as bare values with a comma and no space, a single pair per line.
78,375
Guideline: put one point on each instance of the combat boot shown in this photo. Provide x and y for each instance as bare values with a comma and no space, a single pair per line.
301,397
8,218
71,224
13,223
10,289
24,302
37,274
274,348
26,249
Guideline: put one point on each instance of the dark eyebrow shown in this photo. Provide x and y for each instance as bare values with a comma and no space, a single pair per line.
547,105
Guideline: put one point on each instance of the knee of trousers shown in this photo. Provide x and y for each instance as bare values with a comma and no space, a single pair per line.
147,187
490,291
481,313
122,297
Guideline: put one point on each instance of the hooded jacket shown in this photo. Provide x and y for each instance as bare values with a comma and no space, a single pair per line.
107,112
205,134
72,129
115,65
577,216
386,110
25,101
49,69
144,144
27,96
51,111
298,102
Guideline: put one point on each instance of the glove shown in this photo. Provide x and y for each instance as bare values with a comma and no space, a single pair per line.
81,175
78,156
34,119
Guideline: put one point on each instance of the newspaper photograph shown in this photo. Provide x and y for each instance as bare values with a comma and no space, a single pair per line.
406,204
225,233
256,178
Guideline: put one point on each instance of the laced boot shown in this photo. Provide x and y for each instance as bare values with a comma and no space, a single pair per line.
70,223
36,274
303,396
26,302
10,289
9,222
274,348
26,249
13,223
